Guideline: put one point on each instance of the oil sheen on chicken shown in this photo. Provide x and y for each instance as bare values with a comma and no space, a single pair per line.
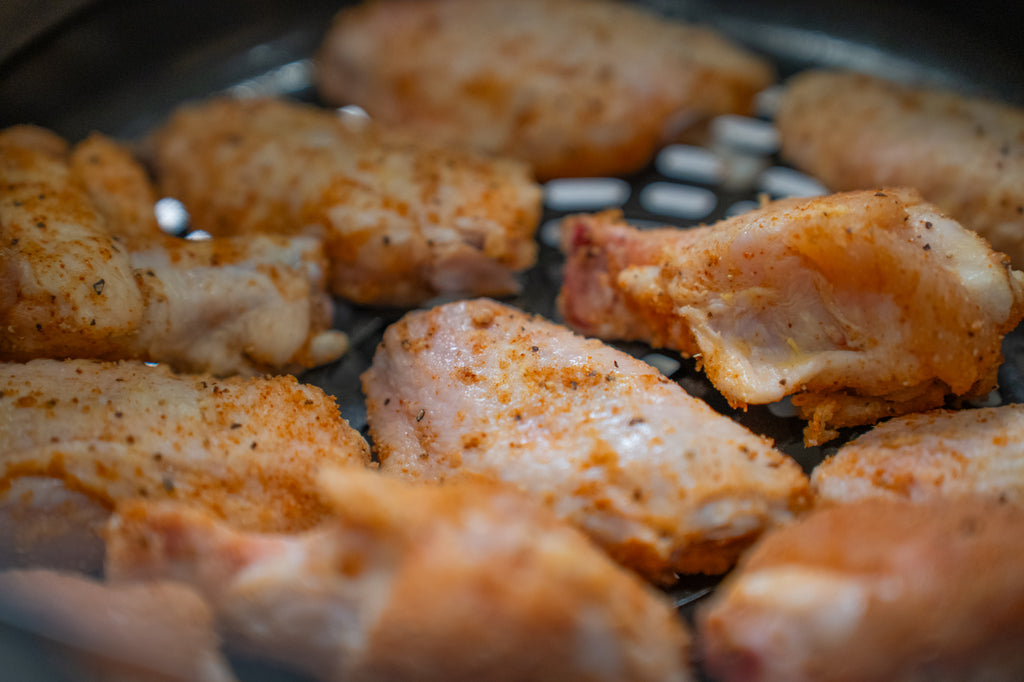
659,479
860,305
466,581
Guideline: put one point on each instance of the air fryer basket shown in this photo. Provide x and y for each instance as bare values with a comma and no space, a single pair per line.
119,67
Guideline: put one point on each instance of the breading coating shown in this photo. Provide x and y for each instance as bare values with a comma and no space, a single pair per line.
573,87
931,456
875,590
465,581
859,305
86,272
78,436
158,632
659,479
402,221
964,154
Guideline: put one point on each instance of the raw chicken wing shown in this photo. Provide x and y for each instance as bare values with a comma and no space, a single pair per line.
965,155
158,632
84,272
78,436
574,87
936,455
860,305
655,476
402,221
872,591
466,581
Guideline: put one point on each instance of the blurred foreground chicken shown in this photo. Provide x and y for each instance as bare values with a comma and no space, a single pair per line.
86,272
573,87
877,590
965,155
936,455
860,305
402,221
78,436
158,632
659,479
466,581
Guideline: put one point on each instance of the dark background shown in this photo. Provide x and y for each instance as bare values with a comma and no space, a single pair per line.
119,65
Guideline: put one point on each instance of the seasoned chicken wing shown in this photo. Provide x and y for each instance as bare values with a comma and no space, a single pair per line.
78,436
466,581
936,455
860,305
574,87
80,277
655,476
965,155
402,221
159,632
875,590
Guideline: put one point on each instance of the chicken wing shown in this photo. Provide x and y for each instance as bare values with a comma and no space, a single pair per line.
402,221
966,155
875,590
574,87
78,436
936,455
466,581
655,476
159,632
71,286
860,305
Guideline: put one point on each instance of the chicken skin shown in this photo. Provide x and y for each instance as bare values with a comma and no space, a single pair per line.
875,590
860,305
936,455
402,221
159,632
79,277
465,581
965,155
655,476
78,436
573,87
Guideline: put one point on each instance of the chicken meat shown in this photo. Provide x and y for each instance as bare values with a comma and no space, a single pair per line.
573,87
85,272
935,455
87,630
875,590
964,154
402,221
466,581
860,305
78,436
659,479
